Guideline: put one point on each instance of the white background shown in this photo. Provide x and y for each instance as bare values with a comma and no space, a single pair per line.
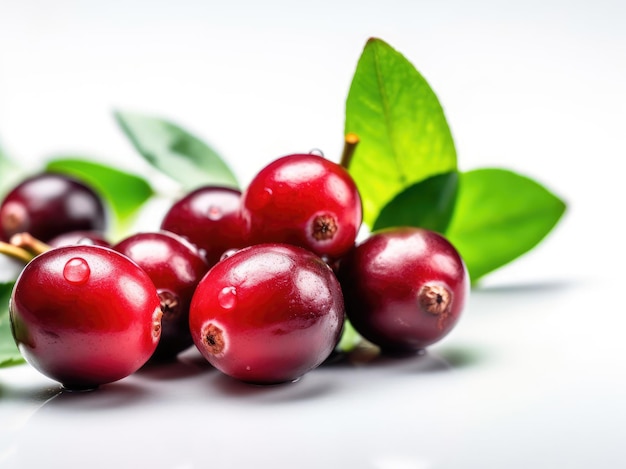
535,86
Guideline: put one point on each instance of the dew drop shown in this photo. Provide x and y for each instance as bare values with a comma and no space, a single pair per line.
76,271
227,298
85,241
228,253
259,198
316,151
264,197
214,213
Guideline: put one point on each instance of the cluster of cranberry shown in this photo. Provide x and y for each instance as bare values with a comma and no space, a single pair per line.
261,281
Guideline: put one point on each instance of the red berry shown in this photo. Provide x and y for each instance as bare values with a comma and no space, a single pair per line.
404,288
305,200
85,315
175,266
49,204
267,314
208,217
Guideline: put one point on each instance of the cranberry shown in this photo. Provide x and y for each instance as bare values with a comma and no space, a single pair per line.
209,218
175,266
70,238
48,204
306,200
85,315
269,313
404,288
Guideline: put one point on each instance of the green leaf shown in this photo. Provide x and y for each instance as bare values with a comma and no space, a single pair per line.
350,338
403,133
9,353
499,216
427,204
174,151
126,193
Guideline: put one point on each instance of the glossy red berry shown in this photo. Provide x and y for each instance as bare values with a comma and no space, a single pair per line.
305,200
175,266
404,288
269,313
49,204
208,217
85,315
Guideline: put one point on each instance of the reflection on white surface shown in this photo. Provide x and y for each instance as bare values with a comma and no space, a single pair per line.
190,413
510,387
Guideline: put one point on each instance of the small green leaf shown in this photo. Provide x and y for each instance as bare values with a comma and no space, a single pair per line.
499,216
9,353
126,193
427,204
174,151
350,338
404,136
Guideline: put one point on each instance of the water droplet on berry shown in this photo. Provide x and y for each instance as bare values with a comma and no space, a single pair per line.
316,151
261,198
265,196
228,253
214,213
227,298
85,241
76,271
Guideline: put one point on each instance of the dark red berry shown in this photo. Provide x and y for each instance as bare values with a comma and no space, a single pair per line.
175,266
404,288
269,313
85,315
49,204
208,217
305,200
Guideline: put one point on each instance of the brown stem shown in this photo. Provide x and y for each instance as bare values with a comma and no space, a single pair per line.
29,243
15,252
350,142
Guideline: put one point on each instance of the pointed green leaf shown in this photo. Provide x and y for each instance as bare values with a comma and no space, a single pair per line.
427,204
499,216
125,192
9,353
404,136
174,151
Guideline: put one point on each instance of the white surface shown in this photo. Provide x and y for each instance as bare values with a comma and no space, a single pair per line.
533,376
